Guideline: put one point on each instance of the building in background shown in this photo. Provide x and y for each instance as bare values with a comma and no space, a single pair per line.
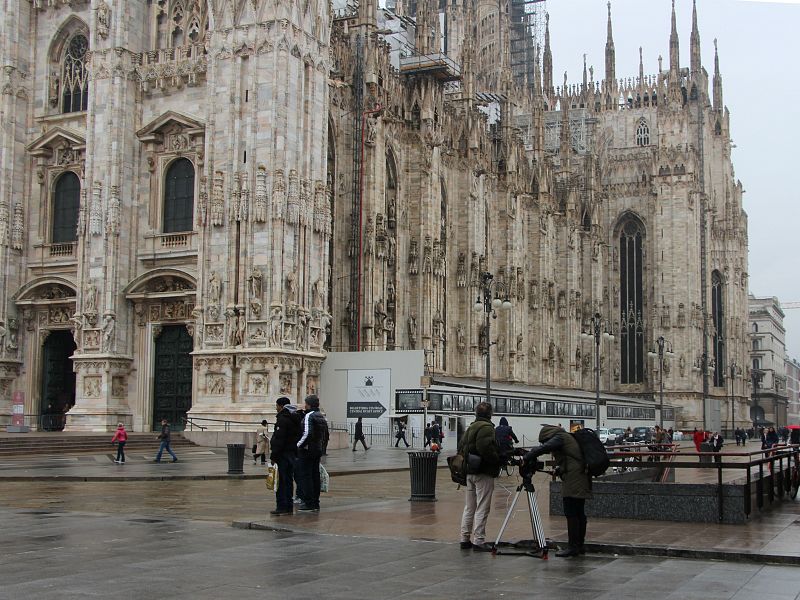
767,369
199,200
793,390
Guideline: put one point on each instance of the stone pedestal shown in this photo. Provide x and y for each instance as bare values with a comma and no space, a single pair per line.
101,393
9,371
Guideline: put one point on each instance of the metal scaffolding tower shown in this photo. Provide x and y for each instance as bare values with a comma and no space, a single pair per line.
527,24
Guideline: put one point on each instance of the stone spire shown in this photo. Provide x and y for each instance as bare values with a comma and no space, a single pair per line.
367,13
611,60
674,46
717,80
641,68
695,42
547,59
566,142
427,39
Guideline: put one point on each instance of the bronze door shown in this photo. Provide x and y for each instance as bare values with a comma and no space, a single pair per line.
172,396
58,380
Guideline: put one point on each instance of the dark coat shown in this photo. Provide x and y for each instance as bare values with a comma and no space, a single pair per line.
794,436
284,438
359,432
480,439
770,439
569,458
317,434
505,436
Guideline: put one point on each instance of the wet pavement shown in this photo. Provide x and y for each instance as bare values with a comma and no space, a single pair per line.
69,555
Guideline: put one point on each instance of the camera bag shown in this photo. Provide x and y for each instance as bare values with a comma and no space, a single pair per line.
594,453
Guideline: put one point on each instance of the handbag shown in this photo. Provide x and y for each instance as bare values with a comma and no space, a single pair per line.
324,479
272,477
458,469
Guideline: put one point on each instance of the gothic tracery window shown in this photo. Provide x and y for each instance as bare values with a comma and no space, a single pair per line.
66,205
180,22
74,78
631,302
642,133
718,320
179,196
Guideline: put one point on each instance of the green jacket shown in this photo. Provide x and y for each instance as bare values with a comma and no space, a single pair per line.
569,458
479,439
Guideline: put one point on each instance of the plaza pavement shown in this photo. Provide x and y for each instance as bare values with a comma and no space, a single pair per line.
56,555
368,498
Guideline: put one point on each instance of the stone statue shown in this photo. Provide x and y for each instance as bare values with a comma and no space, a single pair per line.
214,288
318,294
109,324
412,331
256,281
291,287
90,300
275,325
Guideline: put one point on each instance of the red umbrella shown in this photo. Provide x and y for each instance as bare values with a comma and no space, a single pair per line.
793,427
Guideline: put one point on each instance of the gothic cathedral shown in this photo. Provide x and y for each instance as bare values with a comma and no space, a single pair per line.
199,199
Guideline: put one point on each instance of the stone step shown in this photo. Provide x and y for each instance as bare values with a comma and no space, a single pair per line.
92,443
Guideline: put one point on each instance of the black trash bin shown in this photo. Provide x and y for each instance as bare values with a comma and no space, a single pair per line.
706,447
235,459
423,475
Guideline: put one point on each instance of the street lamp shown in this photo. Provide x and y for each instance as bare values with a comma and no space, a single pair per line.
597,330
735,370
488,305
663,347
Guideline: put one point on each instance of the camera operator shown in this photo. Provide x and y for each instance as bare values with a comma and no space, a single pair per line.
479,440
577,486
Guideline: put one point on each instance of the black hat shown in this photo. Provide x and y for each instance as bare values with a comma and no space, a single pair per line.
283,401
312,401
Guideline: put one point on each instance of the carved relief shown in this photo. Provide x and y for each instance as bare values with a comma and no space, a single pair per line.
215,384
92,386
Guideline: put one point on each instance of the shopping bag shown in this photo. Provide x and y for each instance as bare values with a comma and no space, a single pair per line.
324,479
272,477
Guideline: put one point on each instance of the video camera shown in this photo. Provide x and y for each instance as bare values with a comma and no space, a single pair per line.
526,469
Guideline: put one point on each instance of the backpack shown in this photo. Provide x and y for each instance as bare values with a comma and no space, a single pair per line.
594,453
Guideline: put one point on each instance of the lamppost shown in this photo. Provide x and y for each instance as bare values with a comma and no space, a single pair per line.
597,330
489,306
663,347
734,370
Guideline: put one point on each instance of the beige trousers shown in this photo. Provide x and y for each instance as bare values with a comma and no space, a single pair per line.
476,508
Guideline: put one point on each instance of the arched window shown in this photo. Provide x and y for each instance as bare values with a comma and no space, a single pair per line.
74,78
718,319
756,345
756,364
643,133
179,196
755,327
631,302
66,205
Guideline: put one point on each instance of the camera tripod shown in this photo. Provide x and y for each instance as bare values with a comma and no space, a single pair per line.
536,547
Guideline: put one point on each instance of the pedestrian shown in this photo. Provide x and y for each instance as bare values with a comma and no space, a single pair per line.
506,438
479,440
770,439
576,486
298,414
437,434
698,437
428,434
401,434
283,453
262,436
358,435
736,436
120,437
794,436
309,452
165,436
327,437
716,442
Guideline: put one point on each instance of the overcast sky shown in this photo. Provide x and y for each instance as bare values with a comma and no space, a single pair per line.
759,45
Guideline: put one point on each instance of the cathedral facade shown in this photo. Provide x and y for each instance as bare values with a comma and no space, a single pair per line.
201,198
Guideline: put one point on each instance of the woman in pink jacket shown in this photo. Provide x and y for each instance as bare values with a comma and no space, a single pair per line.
121,436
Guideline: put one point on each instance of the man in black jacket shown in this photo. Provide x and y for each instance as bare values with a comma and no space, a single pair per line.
309,452
358,435
282,452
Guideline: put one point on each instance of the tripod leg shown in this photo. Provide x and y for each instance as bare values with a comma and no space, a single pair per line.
508,518
536,523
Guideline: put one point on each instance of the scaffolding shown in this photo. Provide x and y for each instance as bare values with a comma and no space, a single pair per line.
526,25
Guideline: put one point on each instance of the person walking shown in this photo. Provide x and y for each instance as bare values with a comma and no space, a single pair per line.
428,433
358,435
479,440
165,436
283,452
120,437
716,445
437,434
309,452
698,437
506,438
262,437
576,488
401,434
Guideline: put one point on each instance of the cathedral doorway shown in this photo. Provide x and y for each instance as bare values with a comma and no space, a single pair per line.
172,393
58,380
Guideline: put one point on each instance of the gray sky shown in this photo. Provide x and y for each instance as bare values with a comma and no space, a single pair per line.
759,45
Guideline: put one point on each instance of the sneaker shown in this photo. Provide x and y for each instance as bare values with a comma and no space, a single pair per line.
484,547
466,545
174,460
304,508
278,512
296,500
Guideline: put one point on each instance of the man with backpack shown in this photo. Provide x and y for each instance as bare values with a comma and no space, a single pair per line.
479,448
576,478
309,451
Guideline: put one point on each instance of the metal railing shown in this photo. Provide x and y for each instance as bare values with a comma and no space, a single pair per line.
384,435
194,422
767,475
